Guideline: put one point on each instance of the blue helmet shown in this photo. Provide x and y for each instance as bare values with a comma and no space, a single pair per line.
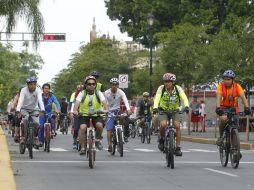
95,74
229,74
31,79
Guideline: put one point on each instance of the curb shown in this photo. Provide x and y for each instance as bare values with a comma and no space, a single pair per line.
7,180
243,145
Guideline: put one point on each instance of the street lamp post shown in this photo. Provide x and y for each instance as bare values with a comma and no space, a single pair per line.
150,19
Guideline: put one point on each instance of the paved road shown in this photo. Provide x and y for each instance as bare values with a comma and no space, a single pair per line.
142,167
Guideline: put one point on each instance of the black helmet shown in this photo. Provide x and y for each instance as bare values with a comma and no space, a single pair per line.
95,74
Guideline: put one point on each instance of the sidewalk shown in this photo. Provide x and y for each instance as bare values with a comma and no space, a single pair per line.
209,137
7,180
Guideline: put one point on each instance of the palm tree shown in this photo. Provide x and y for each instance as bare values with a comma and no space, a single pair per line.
27,10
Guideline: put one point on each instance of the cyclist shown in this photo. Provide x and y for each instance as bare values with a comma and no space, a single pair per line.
168,97
48,99
75,119
30,98
64,110
114,96
227,95
16,119
99,86
144,108
89,102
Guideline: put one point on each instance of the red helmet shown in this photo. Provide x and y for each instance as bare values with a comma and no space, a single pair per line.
90,77
169,76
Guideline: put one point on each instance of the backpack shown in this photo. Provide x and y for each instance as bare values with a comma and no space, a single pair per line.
177,93
96,94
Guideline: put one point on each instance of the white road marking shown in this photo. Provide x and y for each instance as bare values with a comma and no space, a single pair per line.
144,150
221,172
202,150
123,161
58,150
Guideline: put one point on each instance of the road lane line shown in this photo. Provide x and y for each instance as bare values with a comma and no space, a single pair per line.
145,150
221,172
202,150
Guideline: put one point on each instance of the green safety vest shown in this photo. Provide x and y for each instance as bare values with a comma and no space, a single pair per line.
84,104
170,101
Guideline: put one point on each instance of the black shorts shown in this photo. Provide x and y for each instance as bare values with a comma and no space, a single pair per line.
86,119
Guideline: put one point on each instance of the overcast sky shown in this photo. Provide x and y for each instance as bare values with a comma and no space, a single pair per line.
75,18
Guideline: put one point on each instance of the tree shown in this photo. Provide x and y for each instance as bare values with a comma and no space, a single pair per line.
26,9
212,14
14,69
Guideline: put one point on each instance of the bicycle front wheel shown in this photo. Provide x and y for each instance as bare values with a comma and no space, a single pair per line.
120,143
235,148
30,142
171,150
224,151
91,155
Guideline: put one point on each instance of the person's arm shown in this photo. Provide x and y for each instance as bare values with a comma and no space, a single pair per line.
21,100
242,96
125,100
103,101
183,96
57,104
41,104
77,102
157,97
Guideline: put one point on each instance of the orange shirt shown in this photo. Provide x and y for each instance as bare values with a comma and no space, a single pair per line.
225,101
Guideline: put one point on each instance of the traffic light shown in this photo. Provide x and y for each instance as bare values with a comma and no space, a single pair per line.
53,37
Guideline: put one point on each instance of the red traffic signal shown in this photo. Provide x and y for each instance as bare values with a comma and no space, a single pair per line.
53,37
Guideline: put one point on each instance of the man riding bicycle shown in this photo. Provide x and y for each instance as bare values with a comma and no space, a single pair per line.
29,99
227,95
144,109
114,96
99,86
88,102
168,97
48,99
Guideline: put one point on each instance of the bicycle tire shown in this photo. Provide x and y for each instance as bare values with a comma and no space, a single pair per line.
142,136
120,143
224,151
22,148
30,143
133,131
171,149
91,155
148,134
235,148
66,127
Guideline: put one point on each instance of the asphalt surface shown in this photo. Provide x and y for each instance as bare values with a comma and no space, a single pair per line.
141,167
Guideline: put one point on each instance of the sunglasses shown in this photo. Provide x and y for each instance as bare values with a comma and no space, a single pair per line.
167,81
91,84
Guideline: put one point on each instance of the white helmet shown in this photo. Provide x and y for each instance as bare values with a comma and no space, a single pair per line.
114,81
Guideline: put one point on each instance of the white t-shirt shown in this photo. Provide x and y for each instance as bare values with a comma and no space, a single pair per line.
30,101
114,99
202,109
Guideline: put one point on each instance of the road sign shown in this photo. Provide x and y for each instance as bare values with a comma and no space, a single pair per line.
123,81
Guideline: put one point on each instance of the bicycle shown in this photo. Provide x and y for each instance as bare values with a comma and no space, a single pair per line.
133,128
65,124
230,145
146,130
118,137
90,136
47,134
28,134
170,138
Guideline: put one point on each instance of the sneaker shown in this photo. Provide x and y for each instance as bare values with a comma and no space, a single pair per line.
16,139
98,145
110,148
82,152
178,151
161,145
74,146
219,141
126,139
